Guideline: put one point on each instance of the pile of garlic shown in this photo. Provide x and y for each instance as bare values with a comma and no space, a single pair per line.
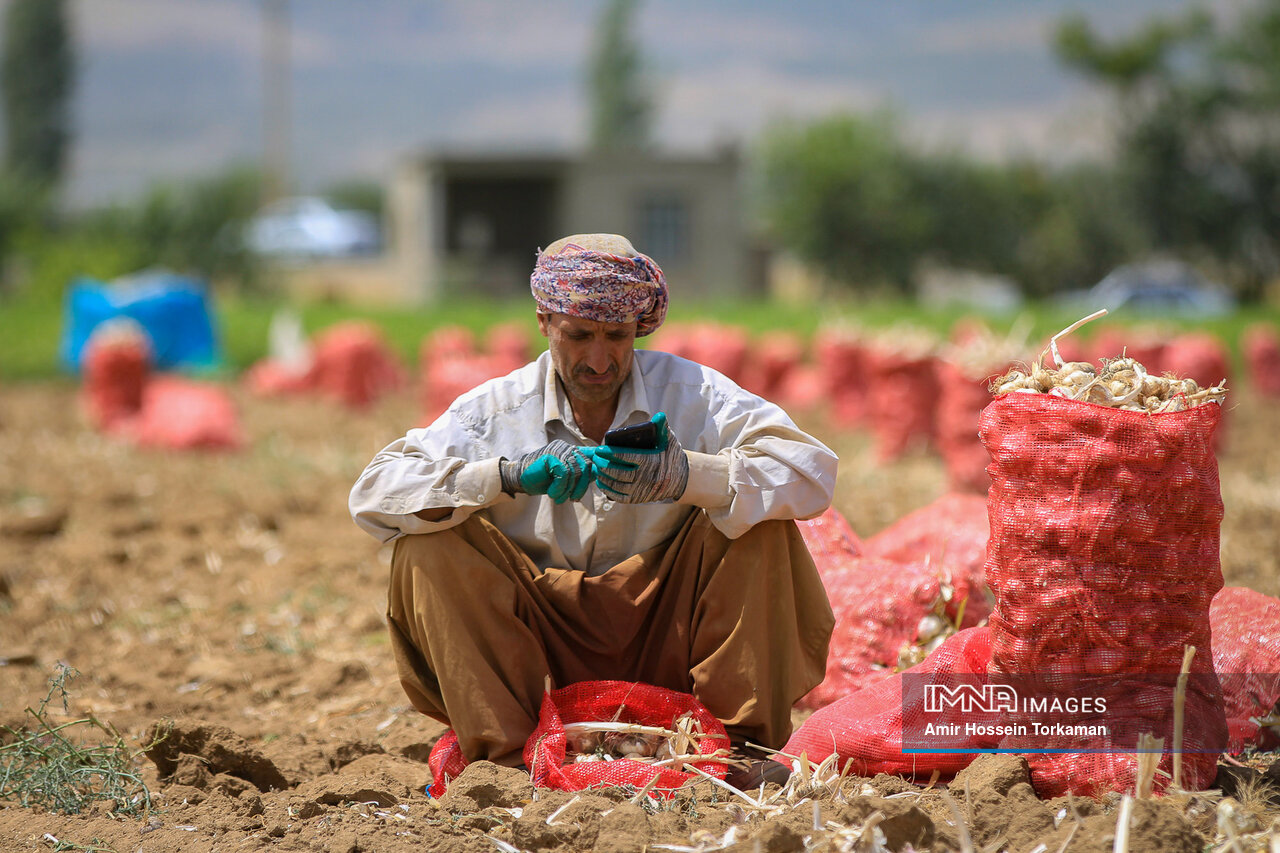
1122,383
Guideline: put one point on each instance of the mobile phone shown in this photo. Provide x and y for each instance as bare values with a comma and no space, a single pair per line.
637,437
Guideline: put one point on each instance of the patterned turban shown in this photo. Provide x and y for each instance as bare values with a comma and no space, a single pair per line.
578,277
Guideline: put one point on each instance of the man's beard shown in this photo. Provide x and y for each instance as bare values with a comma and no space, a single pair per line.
591,392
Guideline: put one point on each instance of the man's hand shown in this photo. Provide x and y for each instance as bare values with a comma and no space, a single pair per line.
558,470
635,476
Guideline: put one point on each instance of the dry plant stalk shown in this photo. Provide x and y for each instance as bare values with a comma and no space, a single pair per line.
1179,713
1150,749
1122,825
1122,383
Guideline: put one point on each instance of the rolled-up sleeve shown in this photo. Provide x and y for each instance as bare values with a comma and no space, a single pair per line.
429,468
780,474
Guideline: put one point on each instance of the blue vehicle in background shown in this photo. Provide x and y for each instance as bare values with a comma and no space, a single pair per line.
1154,287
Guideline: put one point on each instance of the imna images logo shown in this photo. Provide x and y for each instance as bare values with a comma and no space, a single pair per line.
970,698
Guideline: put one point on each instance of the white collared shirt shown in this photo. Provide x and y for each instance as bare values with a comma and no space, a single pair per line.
748,463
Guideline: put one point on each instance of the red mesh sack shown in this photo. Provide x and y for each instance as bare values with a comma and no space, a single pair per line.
720,347
961,398
354,366
771,364
843,363
115,369
446,762
1199,356
271,378
896,595
447,342
865,726
830,540
179,414
1260,347
1103,558
804,390
1246,655
508,347
950,536
901,402
879,606
446,378
547,752
675,338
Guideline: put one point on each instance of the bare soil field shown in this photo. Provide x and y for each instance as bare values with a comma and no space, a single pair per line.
229,600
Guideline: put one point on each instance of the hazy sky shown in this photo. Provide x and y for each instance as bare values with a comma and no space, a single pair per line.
173,88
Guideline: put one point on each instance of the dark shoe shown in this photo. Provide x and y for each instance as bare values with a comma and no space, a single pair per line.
757,772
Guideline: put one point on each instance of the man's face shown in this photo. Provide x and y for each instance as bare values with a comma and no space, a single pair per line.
593,359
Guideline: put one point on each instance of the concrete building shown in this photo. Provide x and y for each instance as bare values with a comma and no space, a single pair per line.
470,223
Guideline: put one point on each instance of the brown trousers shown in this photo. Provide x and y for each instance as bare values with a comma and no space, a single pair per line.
742,624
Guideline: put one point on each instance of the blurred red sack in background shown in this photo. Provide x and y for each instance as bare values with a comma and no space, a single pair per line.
181,414
842,365
353,365
901,403
1199,356
508,346
720,347
268,378
1260,347
961,398
115,369
771,362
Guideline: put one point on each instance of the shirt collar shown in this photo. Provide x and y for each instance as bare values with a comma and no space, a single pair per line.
632,397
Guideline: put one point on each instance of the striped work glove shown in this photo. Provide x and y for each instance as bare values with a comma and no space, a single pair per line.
559,470
633,476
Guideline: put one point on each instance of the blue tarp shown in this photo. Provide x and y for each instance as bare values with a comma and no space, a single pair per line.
172,309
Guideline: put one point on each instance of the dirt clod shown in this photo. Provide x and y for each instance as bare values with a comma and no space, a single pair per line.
483,784
996,773
217,747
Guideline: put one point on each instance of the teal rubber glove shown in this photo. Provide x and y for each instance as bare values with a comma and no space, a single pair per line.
633,476
558,470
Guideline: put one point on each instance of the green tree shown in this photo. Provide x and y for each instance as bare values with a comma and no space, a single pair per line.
358,194
37,76
1198,136
839,193
194,227
621,101
1047,229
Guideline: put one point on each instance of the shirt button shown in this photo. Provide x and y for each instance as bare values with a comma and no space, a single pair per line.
608,504
480,497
